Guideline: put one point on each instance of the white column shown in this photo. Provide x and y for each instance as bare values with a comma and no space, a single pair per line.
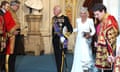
119,13
112,7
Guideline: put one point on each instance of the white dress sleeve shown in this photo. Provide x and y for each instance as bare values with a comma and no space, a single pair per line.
76,29
92,28
118,45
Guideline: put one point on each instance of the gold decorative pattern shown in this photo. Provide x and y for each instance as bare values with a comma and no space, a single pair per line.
70,6
117,64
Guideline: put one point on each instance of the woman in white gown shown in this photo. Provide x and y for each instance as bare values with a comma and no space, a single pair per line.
82,52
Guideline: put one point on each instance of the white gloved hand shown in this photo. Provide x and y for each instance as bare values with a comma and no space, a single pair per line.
111,59
75,30
62,39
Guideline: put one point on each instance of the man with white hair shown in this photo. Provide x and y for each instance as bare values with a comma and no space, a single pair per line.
60,23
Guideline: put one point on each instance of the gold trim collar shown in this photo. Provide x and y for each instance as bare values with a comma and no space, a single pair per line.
104,17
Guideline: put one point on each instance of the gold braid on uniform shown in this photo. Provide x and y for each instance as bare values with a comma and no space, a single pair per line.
62,64
6,62
2,40
67,34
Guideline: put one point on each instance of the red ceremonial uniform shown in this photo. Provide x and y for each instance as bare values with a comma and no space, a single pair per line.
106,41
10,26
1,24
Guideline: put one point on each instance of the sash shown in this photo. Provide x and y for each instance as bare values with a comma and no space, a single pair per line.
65,43
58,31
56,28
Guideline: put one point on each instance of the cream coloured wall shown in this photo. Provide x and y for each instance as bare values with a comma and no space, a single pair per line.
45,25
113,7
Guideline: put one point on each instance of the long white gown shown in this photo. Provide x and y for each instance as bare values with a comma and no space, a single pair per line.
82,51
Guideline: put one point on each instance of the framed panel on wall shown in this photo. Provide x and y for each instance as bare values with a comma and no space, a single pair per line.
70,10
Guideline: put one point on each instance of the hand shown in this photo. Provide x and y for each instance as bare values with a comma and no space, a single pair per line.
111,59
86,35
3,44
62,39
16,32
95,44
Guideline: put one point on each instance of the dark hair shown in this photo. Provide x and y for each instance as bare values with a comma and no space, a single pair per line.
12,3
4,3
99,7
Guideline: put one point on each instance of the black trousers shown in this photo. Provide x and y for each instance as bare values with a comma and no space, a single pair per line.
11,63
108,71
2,62
19,45
57,52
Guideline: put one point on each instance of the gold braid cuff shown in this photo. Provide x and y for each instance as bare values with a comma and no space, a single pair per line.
11,32
67,34
3,39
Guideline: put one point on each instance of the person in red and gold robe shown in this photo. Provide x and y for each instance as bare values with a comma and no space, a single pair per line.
106,41
10,28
